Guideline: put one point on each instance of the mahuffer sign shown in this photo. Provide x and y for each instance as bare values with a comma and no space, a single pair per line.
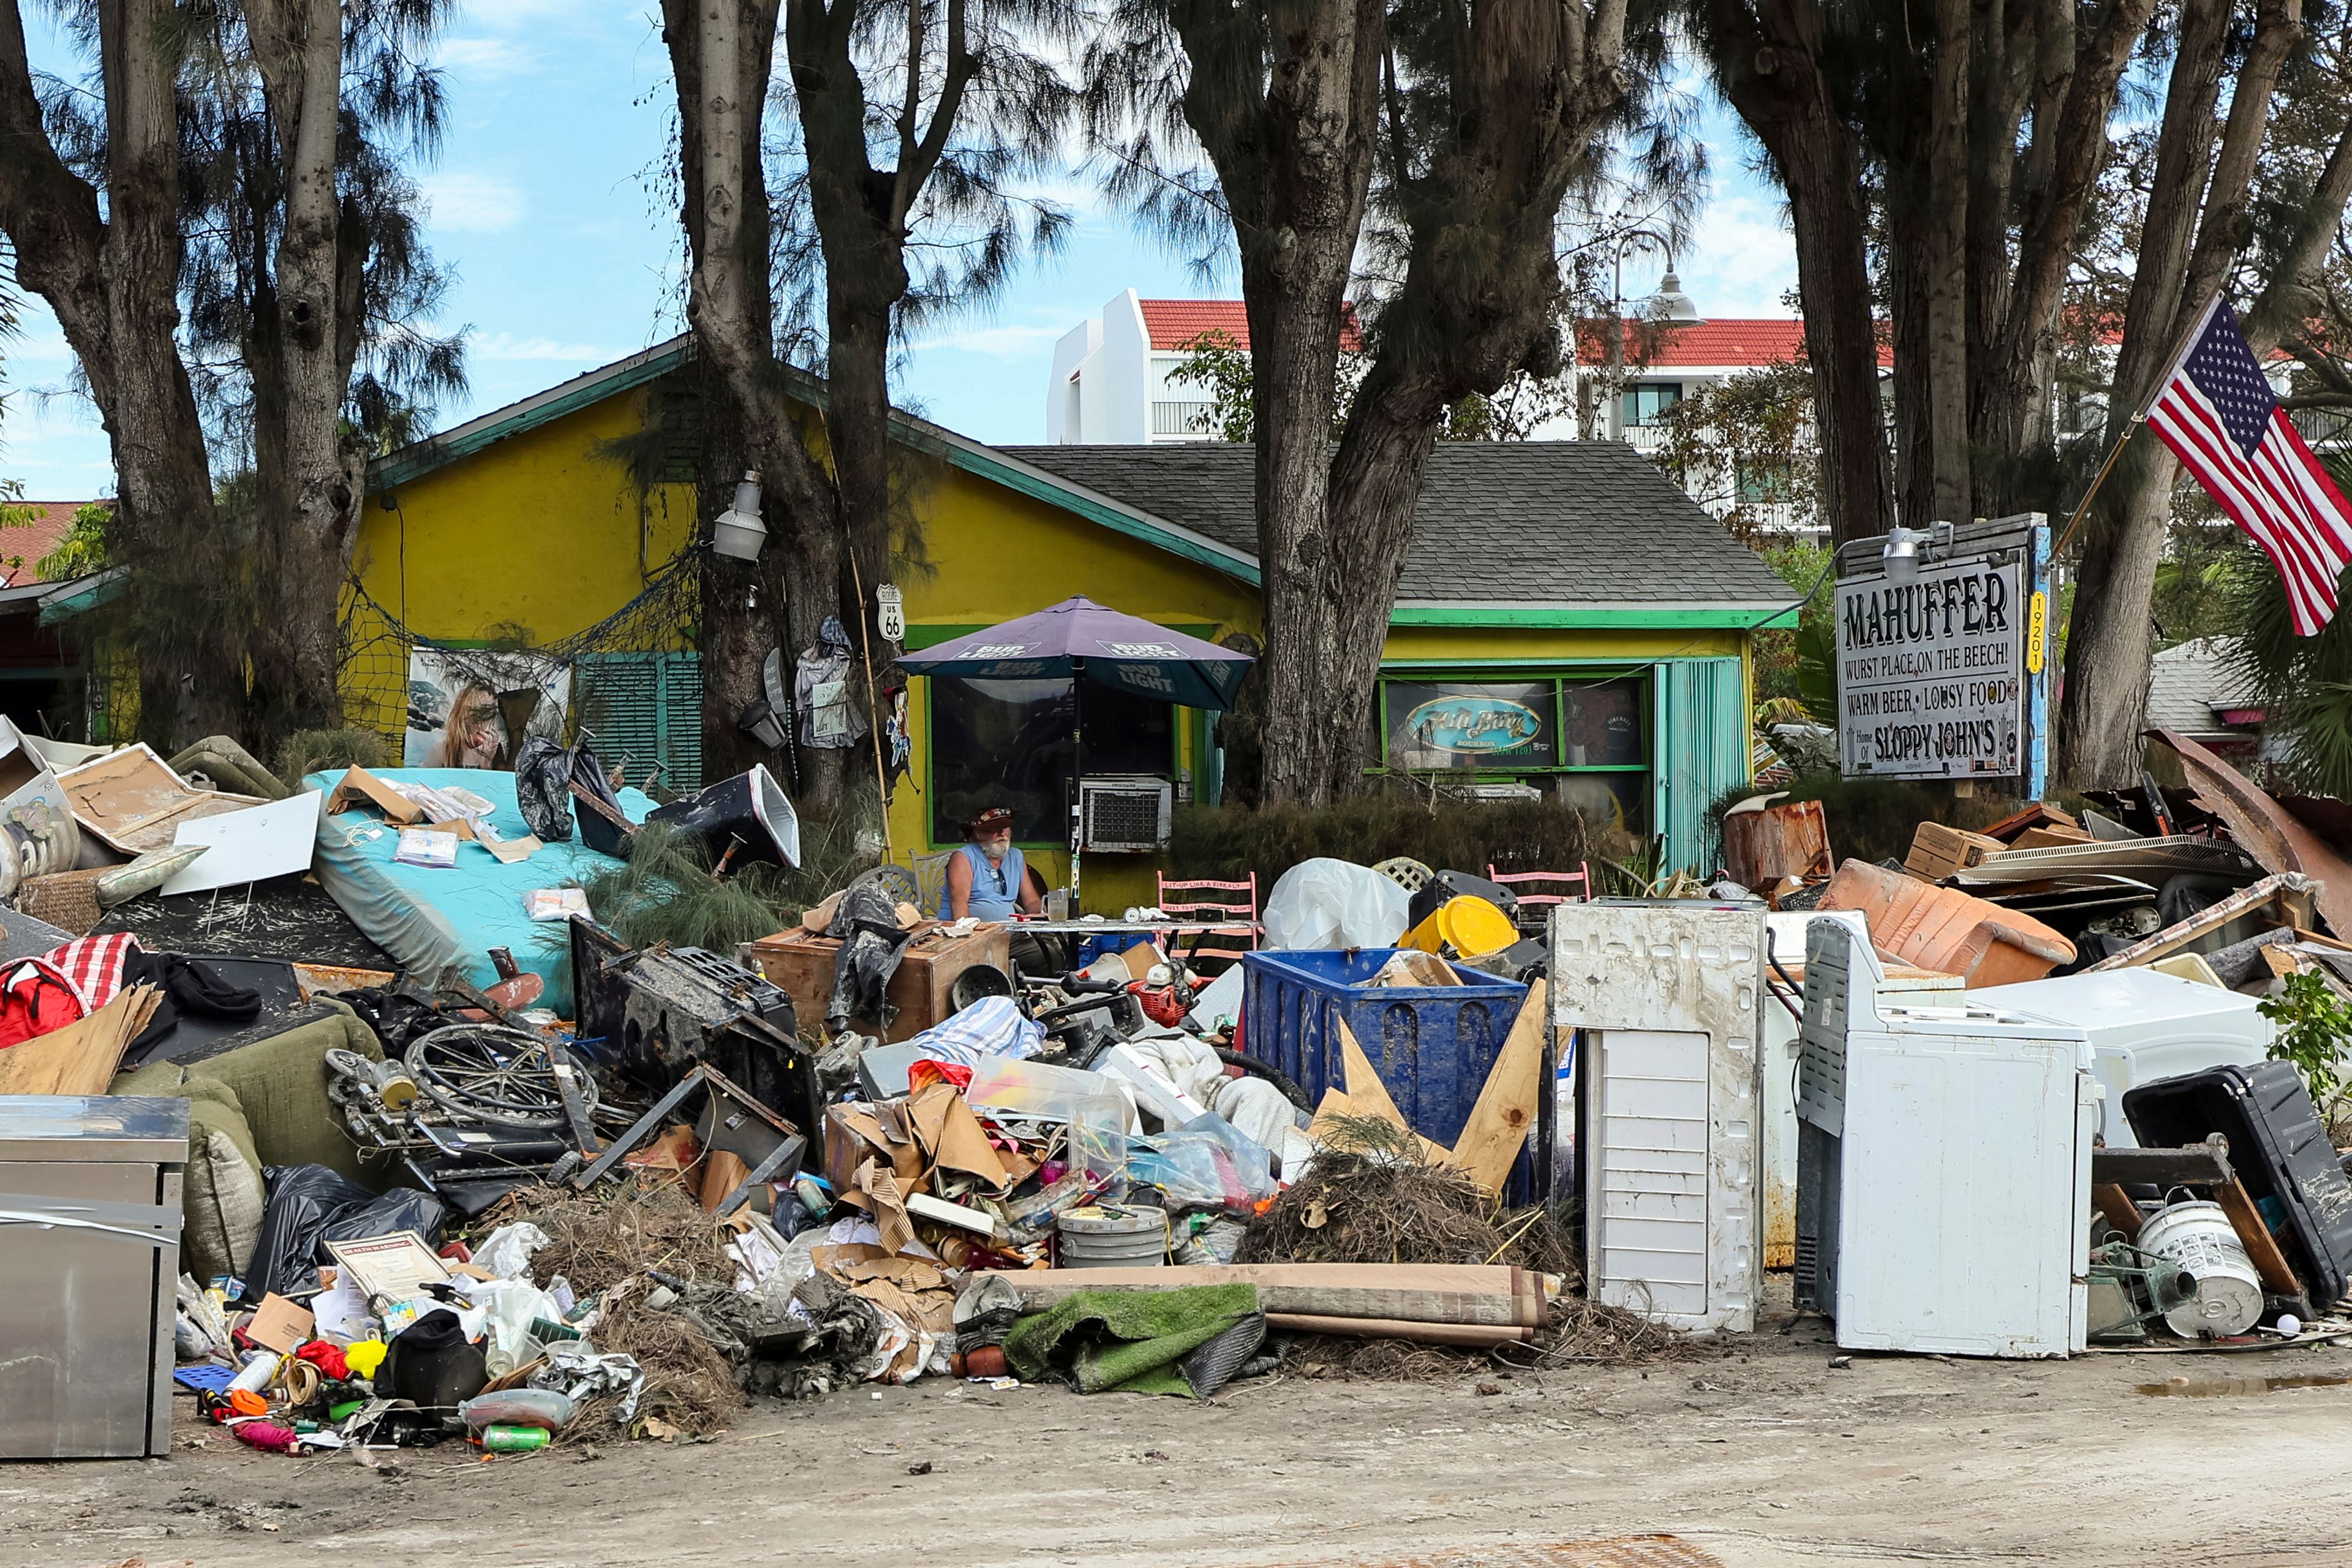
1931,672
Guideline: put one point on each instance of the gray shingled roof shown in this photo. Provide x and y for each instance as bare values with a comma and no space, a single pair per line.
2186,683
1532,522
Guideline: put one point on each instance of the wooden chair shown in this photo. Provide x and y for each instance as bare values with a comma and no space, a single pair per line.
1580,879
1233,899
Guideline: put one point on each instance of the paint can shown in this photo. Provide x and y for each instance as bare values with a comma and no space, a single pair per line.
2199,1239
1108,1238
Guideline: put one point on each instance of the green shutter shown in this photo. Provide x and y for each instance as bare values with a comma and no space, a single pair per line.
1701,753
645,707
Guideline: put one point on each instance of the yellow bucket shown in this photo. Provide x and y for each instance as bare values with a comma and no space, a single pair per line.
1470,926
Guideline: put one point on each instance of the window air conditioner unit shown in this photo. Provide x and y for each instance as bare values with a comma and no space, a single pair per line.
1123,813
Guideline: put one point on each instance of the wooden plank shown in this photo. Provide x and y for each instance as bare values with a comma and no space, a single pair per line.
2112,1201
2255,1236
2198,1164
1365,1090
1505,1113
1479,1336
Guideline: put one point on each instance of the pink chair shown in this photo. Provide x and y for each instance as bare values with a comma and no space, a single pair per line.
1236,900
1579,879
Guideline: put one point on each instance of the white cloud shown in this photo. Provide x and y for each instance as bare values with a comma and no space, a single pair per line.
472,204
1742,260
996,339
508,346
489,56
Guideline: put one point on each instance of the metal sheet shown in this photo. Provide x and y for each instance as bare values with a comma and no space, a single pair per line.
2263,828
105,1127
87,1319
2145,859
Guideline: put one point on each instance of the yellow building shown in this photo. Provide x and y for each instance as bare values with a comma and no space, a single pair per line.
1567,620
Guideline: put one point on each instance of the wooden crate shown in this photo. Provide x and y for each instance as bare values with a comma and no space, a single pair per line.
801,961
1937,851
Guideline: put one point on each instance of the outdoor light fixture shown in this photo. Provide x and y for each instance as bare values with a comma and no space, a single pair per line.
738,532
1907,547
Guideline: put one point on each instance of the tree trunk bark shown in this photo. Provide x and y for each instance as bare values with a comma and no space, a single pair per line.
1295,159
298,44
1945,226
721,52
2201,190
1769,61
114,284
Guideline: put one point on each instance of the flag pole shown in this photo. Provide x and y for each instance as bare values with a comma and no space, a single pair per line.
2105,469
2172,368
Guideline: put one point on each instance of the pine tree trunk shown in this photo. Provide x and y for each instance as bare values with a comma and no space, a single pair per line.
299,47
1946,222
1296,164
1767,58
114,284
721,52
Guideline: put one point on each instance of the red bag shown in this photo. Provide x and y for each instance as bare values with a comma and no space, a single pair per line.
35,998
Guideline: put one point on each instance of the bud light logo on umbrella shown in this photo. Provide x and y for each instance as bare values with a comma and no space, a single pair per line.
1478,724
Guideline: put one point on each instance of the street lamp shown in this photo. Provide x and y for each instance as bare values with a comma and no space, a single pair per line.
1674,306
737,531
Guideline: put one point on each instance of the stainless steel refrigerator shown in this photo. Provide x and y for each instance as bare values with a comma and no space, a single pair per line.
89,1253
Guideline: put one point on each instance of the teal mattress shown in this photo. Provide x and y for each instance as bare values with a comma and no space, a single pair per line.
428,919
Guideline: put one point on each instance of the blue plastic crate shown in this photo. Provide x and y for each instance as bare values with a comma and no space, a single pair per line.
1434,1045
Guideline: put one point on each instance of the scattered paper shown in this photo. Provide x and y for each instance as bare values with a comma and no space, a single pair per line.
427,847
398,1265
555,904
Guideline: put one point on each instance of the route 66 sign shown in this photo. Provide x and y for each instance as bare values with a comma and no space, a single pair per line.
890,612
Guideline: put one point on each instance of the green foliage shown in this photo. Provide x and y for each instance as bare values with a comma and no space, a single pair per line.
1444,835
1218,365
664,892
82,550
1748,443
2314,1024
1801,663
306,752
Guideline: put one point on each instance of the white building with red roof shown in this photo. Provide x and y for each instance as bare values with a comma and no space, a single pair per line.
1114,380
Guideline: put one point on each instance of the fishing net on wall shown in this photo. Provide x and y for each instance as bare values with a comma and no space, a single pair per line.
631,685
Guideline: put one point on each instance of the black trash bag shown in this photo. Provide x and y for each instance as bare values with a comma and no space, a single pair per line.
872,941
543,789
433,1365
310,1205
605,834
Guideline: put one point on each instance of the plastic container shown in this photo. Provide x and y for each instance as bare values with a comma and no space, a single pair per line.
1044,1093
1113,1238
259,1368
1432,1045
2278,1149
2199,1238
540,1407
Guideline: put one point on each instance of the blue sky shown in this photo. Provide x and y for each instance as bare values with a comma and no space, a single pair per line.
564,261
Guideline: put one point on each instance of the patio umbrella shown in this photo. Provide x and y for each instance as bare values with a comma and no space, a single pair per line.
1084,641
1081,640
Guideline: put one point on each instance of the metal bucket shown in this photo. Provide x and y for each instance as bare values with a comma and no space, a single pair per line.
2199,1239
1113,1238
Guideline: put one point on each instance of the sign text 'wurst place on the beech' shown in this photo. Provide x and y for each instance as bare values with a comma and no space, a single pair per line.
1931,671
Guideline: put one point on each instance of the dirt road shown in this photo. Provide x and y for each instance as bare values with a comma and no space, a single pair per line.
1764,1456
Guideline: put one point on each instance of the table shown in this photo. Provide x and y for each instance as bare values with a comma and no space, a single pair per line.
1131,928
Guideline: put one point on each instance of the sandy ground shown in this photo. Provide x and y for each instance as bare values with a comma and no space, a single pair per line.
1763,1455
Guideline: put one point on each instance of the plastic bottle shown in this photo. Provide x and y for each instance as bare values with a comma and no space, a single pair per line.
505,1439
540,1407
259,1368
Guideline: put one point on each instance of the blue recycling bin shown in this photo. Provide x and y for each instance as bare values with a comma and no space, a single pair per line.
1432,1045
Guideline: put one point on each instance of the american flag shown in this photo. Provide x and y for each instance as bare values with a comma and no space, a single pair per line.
2217,413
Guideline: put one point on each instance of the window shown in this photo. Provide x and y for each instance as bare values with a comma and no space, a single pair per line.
1763,484
1482,725
1007,742
1585,738
1646,401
